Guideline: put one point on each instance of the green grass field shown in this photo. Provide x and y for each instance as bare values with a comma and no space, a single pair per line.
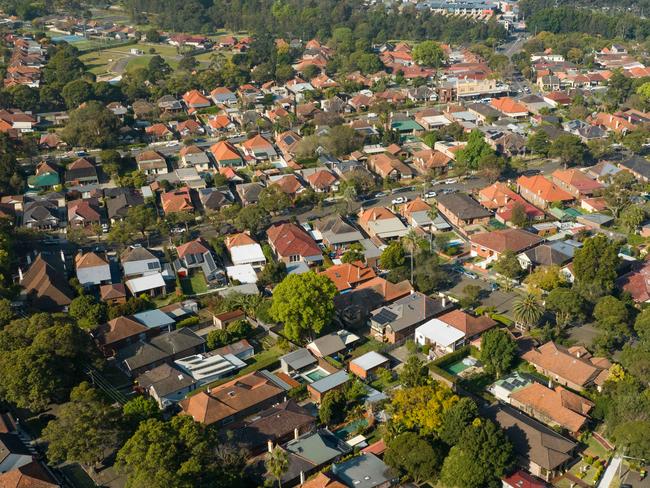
102,62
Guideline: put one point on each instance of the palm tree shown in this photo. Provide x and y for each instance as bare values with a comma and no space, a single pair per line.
528,309
410,243
277,463
349,195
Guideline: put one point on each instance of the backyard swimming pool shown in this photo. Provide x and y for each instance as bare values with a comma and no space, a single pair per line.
315,374
344,432
458,367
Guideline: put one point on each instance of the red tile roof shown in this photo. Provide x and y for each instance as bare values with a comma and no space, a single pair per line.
291,240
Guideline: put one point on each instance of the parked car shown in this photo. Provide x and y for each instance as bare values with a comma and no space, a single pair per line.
469,274
399,200
430,194
451,181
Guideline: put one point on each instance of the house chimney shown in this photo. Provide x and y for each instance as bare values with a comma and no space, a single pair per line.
296,433
269,445
302,478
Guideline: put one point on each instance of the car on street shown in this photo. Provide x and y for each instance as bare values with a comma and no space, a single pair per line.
430,194
399,200
451,181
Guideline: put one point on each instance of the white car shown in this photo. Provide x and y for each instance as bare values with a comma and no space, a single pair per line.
451,181
430,194
399,200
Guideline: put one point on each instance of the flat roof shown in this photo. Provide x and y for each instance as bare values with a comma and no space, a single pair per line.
330,382
369,360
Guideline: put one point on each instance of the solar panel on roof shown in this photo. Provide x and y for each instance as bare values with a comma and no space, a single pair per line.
384,316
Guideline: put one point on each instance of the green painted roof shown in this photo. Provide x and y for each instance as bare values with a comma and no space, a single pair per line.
43,180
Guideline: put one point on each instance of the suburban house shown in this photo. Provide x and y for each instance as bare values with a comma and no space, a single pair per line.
194,255
364,471
491,245
297,361
30,475
223,319
638,166
575,182
113,293
510,107
81,172
178,200
417,213
241,349
45,177
139,261
291,244
522,479
119,333
397,322
541,192
336,232
119,203
346,276
45,285
236,399
452,330
223,96
496,196
332,343
42,215
462,210
151,163
194,157
556,253
92,269
225,154
195,100
382,223
287,142
538,449
14,454
166,384
84,213
141,356
244,249
573,367
556,407
323,181
636,282
389,167
366,365
259,149
278,424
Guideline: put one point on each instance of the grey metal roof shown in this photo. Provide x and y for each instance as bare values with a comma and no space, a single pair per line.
370,360
364,471
298,359
319,448
329,344
330,382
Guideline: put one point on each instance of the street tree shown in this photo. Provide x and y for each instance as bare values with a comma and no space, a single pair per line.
429,53
570,150
594,267
508,265
91,125
414,456
567,305
85,429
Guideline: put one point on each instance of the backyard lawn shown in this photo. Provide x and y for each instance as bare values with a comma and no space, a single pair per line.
194,284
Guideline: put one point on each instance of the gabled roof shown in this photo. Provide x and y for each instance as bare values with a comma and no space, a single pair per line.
497,195
118,329
321,180
466,323
136,253
577,179
515,240
30,475
89,260
224,151
241,239
197,246
463,206
508,105
257,142
46,285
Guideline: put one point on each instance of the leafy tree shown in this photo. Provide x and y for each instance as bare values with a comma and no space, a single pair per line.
545,277
188,63
528,309
8,163
612,317
139,409
414,372
475,151
642,325
141,218
77,92
87,311
84,430
632,217
421,408
64,66
567,305
456,420
429,53
471,294
178,454
342,139
152,35
157,69
274,272
508,265
429,275
416,457
570,150
277,463
41,359
479,459
24,97
539,143
253,218
498,351
92,125
594,267
6,312
217,338
392,257
519,217
332,407
636,360
354,254
634,438
304,304
273,199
